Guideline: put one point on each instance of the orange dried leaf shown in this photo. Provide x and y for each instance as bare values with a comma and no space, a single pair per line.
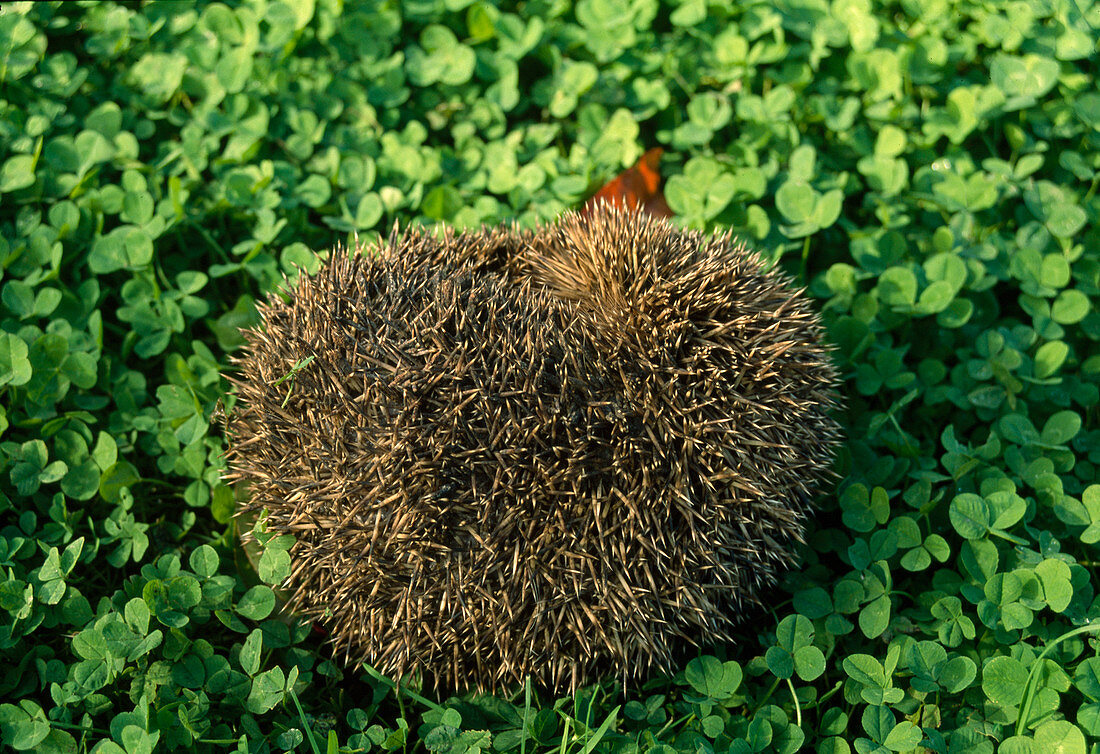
638,187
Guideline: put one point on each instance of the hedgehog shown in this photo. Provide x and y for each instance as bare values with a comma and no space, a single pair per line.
556,453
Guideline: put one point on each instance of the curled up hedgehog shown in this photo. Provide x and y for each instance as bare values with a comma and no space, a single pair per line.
561,453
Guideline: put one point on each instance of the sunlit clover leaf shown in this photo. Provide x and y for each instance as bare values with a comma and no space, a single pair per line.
610,25
956,674
159,74
504,91
204,561
257,603
481,21
89,147
1087,678
689,13
267,690
617,143
22,43
25,727
713,678
123,641
1090,499
135,740
1088,717
301,11
862,25
81,368
897,287
875,617
1003,681
827,209
935,298
1026,77
52,578
314,191
878,72
872,676
971,194
1059,737
440,58
1057,589
706,114
227,328
171,599
890,142
15,367
797,202
297,256
1000,606
441,203
137,207
368,212
958,119
1060,428
573,80
65,218
1055,207
903,737
881,725
82,480
1070,307
1049,358
1065,219
516,36
18,298
796,652
115,478
954,625
32,469
1005,507
703,190
1054,271
885,175
17,173
274,565
250,656
126,247
106,119
1071,511
1018,429
1087,107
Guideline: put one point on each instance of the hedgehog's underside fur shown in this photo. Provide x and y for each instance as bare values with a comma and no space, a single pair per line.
561,453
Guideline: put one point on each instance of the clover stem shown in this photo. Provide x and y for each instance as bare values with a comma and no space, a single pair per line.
526,712
401,689
208,238
797,706
1092,189
686,718
71,726
1029,690
827,695
767,695
305,723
